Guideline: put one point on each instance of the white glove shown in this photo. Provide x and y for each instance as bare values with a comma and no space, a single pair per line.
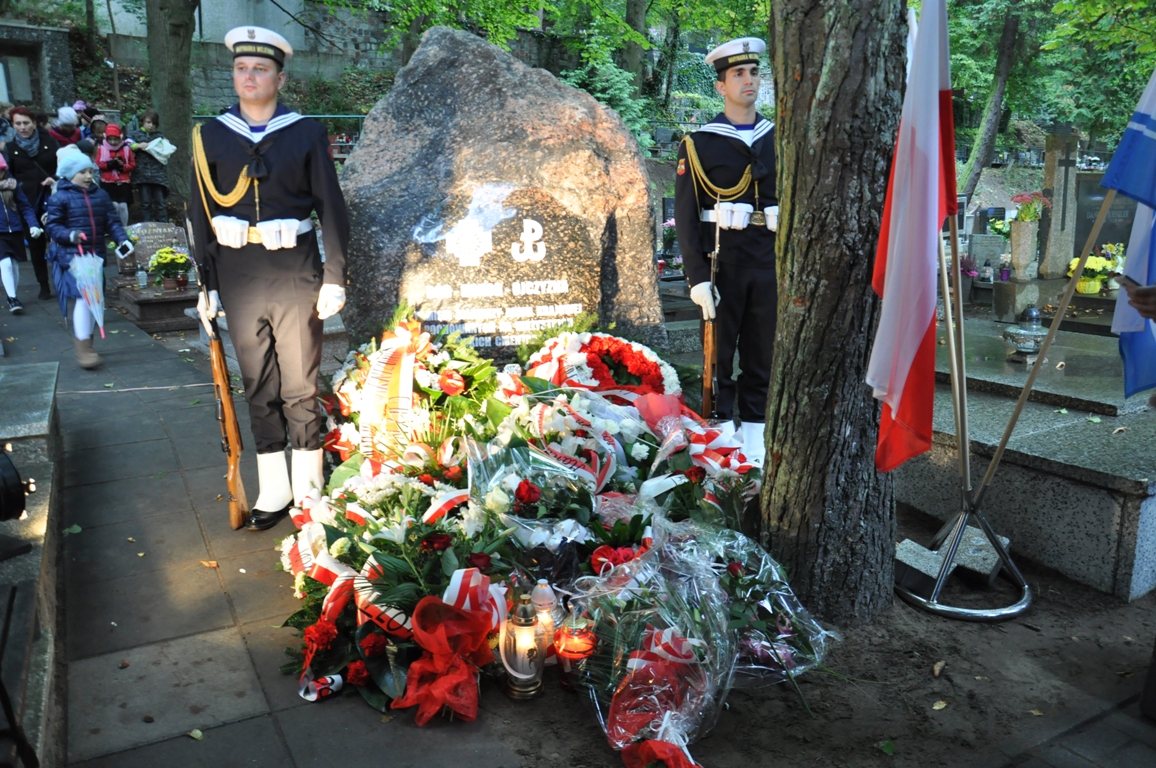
289,232
210,308
772,215
330,300
701,295
35,232
231,232
270,234
741,215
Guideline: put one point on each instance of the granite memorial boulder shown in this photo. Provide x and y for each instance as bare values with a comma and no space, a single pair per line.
497,201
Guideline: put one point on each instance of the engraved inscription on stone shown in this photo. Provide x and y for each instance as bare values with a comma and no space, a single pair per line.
151,237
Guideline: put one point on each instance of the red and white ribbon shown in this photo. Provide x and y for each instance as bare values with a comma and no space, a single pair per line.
442,502
471,590
663,645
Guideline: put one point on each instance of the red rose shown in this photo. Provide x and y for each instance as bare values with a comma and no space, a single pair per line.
427,479
479,560
374,645
695,474
735,570
527,493
356,673
436,542
453,474
321,634
451,382
604,557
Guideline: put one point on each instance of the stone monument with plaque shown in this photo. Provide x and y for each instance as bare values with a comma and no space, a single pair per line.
1058,223
497,201
1118,223
151,236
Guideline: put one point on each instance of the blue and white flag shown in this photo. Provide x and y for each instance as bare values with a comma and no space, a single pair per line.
1137,334
1132,173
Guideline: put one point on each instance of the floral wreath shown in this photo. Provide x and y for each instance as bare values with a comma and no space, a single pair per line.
620,368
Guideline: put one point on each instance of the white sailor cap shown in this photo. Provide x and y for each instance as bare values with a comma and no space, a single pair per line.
258,41
745,50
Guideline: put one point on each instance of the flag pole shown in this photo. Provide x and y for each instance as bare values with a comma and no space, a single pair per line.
962,431
1062,310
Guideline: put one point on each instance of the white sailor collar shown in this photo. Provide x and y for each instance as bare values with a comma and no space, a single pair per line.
723,127
282,118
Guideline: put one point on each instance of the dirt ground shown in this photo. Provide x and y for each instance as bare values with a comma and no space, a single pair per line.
1073,643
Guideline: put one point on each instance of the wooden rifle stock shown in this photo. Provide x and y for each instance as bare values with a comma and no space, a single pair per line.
709,371
226,410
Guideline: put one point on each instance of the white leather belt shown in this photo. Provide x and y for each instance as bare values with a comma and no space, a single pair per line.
758,218
302,227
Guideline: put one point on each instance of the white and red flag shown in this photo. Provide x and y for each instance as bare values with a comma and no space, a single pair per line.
920,195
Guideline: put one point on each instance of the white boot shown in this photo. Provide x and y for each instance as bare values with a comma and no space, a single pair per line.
273,481
307,473
754,442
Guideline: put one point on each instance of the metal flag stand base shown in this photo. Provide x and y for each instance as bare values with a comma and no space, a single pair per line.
971,501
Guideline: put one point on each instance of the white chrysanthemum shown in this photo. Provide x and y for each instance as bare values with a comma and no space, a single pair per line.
287,545
472,520
340,547
426,379
299,586
640,451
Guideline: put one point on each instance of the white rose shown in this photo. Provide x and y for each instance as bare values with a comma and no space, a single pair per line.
497,500
640,451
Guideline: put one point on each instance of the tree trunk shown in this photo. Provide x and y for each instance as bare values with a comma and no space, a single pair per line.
632,55
827,515
90,22
989,125
171,25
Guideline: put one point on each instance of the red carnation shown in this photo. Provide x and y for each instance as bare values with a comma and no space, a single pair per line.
527,493
321,634
356,673
479,560
604,557
695,474
374,645
736,570
426,478
436,542
451,382
453,474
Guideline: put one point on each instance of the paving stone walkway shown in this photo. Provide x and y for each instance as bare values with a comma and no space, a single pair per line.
158,643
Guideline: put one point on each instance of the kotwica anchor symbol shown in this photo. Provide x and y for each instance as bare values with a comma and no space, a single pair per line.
531,247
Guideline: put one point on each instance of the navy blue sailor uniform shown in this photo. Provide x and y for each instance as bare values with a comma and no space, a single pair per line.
745,277
270,296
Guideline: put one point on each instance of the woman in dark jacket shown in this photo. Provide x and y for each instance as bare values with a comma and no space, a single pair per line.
79,216
31,157
15,215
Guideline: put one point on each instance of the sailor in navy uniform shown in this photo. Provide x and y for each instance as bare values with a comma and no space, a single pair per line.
259,173
726,174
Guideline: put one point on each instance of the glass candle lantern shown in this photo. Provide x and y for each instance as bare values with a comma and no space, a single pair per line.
523,645
574,642
550,613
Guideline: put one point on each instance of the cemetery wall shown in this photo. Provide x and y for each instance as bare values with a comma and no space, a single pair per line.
38,64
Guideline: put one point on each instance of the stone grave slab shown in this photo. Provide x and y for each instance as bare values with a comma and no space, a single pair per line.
28,420
1118,224
987,248
151,237
154,310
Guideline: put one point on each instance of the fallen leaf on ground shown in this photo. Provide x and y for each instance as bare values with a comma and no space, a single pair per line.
124,664
1061,410
1060,365
1118,430
131,540
387,718
140,554
196,402
147,718
886,747
1035,712
114,331
209,563
185,350
242,570
220,497
1126,673
72,529
1094,419
196,734
939,705
109,386
939,665
1129,640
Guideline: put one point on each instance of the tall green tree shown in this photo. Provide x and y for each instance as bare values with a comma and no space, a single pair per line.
171,24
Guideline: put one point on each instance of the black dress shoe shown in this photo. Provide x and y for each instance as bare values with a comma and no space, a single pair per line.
260,520
45,294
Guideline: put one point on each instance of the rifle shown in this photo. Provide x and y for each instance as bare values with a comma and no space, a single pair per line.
709,353
226,409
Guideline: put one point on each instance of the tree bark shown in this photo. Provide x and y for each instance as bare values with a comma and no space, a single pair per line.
827,515
171,25
90,22
632,54
989,124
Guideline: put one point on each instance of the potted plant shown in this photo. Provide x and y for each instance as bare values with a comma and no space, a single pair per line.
1096,269
1025,229
1002,228
167,264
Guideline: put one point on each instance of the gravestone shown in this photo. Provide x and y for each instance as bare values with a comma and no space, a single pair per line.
1058,223
1118,224
497,201
151,237
987,248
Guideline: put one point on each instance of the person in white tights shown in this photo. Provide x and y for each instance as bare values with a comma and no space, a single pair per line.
16,216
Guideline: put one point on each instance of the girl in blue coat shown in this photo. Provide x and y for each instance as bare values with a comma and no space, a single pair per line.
17,214
80,215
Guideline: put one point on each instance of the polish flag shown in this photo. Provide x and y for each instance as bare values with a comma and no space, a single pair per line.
920,195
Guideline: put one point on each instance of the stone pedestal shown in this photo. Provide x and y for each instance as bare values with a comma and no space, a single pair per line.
1058,224
1012,298
154,310
1024,247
